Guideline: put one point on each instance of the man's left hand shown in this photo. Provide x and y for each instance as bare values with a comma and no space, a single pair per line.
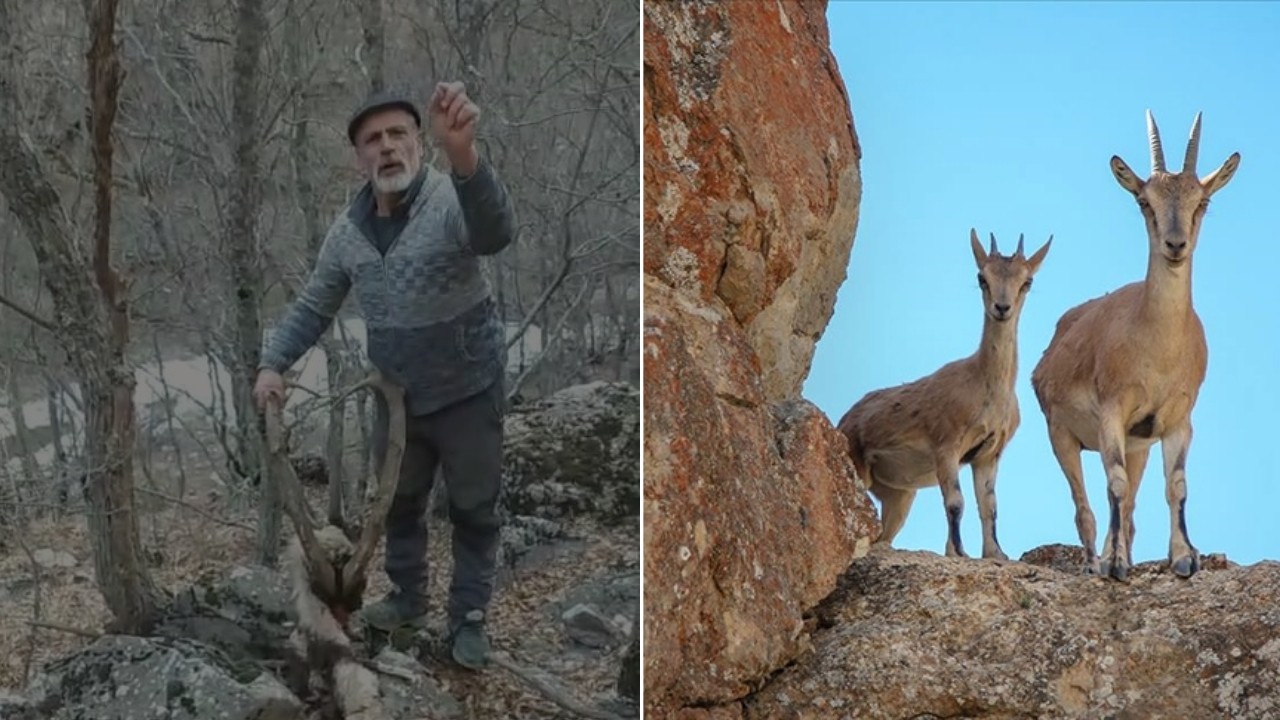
453,125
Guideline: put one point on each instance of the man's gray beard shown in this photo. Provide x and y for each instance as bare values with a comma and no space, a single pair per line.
393,184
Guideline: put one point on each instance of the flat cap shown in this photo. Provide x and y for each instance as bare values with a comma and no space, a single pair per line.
381,100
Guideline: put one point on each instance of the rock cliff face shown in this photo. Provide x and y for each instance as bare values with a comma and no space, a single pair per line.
752,180
912,634
752,186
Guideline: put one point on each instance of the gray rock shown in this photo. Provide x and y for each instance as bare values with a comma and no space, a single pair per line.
405,700
587,626
48,558
247,615
612,593
521,534
575,453
120,676
15,707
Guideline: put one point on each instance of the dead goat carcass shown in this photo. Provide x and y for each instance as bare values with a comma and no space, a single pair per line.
328,566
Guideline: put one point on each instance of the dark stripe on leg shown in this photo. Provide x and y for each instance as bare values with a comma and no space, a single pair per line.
1182,521
953,526
1115,513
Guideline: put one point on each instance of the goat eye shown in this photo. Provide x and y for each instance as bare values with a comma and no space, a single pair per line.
982,282
1144,204
1026,286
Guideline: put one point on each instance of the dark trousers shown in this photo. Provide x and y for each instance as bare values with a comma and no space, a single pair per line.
465,440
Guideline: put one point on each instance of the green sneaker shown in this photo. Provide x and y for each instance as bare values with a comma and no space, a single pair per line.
471,642
394,611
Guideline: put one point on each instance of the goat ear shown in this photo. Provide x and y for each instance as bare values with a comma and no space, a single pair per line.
1035,260
979,255
1126,177
1219,178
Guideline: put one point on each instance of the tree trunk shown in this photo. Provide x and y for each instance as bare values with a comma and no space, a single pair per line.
94,328
55,418
241,241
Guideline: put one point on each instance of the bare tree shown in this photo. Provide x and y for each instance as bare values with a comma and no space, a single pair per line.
91,311
246,276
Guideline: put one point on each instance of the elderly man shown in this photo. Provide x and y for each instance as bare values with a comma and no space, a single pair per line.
409,245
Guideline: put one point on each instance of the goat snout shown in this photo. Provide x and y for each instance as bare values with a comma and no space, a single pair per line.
1002,309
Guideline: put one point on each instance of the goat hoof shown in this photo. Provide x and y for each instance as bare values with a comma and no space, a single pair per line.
1185,566
1118,570
997,555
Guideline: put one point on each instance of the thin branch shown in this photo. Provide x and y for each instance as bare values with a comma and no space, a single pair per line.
29,315
197,510
199,37
549,691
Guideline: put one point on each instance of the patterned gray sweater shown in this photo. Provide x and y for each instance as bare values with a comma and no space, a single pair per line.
429,312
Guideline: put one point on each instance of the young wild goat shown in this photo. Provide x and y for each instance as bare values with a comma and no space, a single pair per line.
1123,370
328,568
918,435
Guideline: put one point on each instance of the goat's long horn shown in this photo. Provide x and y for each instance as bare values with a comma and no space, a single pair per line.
1193,147
1157,152
993,250
376,513
295,505
1018,252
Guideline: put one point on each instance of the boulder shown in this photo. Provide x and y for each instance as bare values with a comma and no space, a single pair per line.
120,676
575,454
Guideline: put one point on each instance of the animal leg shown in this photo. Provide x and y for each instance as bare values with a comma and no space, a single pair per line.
1111,443
1184,559
1067,450
984,489
1134,464
895,504
953,501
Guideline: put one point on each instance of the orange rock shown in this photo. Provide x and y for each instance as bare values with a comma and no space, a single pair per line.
752,186
752,180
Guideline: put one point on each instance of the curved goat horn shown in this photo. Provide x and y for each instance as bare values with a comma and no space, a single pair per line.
1018,252
1157,152
993,250
1193,147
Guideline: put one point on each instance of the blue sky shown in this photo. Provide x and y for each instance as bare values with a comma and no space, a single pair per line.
1003,117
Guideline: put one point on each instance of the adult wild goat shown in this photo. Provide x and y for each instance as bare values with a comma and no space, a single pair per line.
1123,370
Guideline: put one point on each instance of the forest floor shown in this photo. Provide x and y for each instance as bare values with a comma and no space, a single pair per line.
47,576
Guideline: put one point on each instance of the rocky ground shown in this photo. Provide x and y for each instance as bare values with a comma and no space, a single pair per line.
913,634
566,608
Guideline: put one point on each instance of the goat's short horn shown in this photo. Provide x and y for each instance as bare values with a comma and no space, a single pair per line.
993,250
1193,147
1018,252
1157,152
